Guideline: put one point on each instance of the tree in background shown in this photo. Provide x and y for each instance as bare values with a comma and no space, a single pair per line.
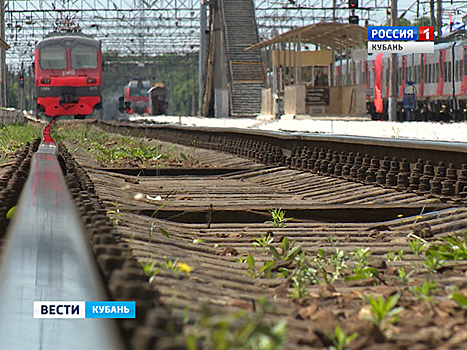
422,21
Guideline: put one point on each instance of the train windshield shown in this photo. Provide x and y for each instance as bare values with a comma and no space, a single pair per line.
139,88
53,57
83,56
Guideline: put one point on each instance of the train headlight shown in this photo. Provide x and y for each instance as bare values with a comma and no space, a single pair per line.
45,80
91,80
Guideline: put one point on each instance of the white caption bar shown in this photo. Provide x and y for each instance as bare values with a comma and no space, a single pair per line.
59,309
401,47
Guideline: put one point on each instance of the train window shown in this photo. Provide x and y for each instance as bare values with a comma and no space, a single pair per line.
437,73
456,71
53,57
449,71
83,56
445,71
461,70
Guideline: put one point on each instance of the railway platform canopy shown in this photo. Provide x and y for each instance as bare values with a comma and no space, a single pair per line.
323,81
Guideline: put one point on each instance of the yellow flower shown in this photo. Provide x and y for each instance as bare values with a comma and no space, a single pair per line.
400,216
418,217
182,267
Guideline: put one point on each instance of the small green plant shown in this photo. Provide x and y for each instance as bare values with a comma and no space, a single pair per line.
340,339
148,268
115,213
288,248
237,331
15,136
453,247
433,263
241,259
403,276
460,299
393,256
190,158
263,242
334,265
164,232
361,269
251,269
278,218
426,291
383,313
299,288
169,264
332,240
301,276
416,246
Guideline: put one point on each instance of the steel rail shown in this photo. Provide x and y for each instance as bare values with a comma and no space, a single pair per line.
46,258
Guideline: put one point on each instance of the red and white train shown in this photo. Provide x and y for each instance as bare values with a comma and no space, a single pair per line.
68,75
430,86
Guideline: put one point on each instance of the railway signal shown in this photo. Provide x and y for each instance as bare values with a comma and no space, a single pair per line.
353,4
21,80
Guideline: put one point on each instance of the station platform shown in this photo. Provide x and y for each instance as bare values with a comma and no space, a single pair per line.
355,126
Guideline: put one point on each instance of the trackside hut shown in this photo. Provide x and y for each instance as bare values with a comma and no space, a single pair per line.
300,81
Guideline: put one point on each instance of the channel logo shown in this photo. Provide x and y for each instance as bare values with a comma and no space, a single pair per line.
392,33
426,33
401,33
84,309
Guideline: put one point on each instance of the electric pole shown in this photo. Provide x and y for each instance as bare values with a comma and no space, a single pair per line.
439,21
392,106
3,99
432,13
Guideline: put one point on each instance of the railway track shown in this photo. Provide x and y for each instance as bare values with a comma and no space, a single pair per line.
180,242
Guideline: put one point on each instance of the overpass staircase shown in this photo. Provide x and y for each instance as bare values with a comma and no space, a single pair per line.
243,70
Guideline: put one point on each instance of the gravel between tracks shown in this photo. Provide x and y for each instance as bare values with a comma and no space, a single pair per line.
213,249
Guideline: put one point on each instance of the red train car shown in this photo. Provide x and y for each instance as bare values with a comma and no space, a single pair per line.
136,96
68,75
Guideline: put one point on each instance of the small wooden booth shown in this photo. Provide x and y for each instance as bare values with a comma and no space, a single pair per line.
323,81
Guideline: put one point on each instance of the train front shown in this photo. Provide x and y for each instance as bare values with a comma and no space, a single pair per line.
68,75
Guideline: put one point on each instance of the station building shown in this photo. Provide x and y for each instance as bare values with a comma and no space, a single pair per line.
324,81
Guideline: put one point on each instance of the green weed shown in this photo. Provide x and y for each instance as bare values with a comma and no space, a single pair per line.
14,137
263,242
403,276
452,247
460,299
416,246
426,291
116,215
237,331
278,218
340,339
383,313
251,267
288,250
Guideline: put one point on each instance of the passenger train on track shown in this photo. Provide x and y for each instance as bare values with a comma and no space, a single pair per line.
431,86
68,75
